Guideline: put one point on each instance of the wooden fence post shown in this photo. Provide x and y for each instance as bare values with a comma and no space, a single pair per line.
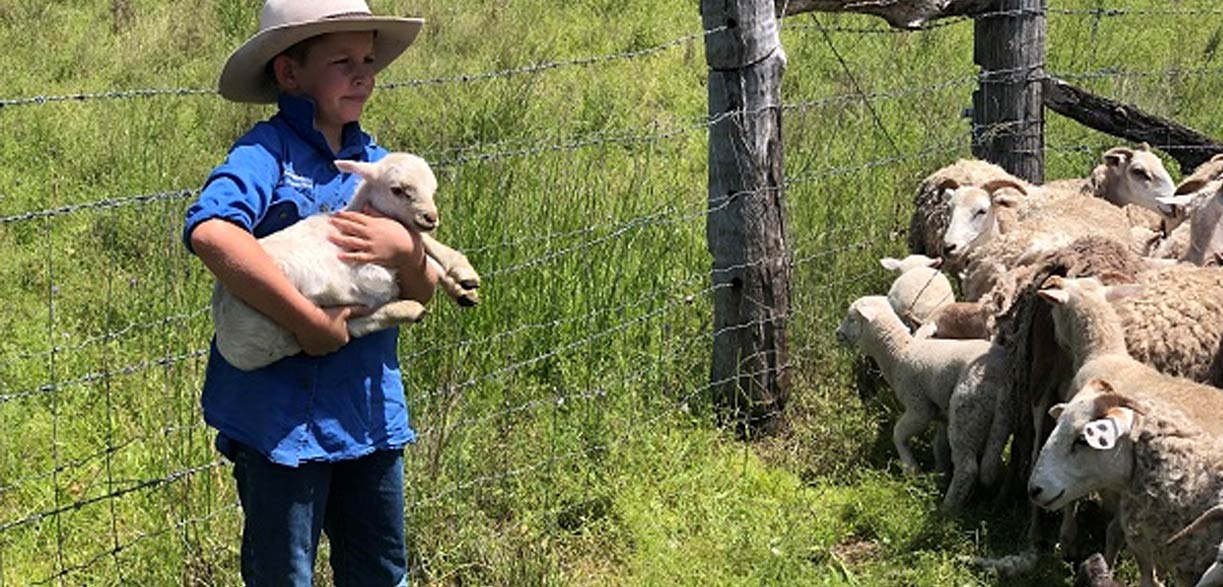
746,224
1008,110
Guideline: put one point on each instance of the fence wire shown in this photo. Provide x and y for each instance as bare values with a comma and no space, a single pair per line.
523,397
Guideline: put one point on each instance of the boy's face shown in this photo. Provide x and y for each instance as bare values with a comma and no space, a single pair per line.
337,73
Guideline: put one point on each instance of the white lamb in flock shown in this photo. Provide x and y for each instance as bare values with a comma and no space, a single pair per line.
920,291
399,186
955,380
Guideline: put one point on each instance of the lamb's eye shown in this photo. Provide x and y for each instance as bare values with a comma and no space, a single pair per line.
979,213
398,192
1141,173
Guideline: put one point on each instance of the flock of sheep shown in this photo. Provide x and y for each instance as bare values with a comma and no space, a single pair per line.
1087,336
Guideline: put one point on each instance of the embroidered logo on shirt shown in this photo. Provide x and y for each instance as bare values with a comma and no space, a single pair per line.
294,180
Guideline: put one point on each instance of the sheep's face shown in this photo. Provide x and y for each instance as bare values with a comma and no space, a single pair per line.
974,219
1091,448
910,262
1137,177
1073,300
862,313
400,186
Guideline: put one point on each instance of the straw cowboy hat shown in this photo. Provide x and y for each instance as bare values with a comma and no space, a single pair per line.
285,23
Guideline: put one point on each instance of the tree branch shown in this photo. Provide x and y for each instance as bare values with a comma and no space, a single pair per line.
1189,147
901,14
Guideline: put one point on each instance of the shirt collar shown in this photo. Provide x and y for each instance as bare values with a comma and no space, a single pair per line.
299,111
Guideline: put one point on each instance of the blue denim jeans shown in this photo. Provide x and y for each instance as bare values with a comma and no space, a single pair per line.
358,503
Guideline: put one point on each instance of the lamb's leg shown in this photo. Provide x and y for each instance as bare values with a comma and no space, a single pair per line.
458,278
942,449
964,460
912,422
386,316
995,444
463,297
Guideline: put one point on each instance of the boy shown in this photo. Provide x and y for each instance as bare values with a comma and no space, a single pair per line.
317,438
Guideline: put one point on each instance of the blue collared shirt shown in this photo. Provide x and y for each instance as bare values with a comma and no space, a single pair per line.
340,406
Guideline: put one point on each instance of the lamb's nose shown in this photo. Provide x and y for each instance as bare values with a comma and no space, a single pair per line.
428,218
1034,491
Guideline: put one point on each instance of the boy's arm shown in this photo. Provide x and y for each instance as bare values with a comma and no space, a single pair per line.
367,237
244,267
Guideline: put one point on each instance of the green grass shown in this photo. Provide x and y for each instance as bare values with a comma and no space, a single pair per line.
566,436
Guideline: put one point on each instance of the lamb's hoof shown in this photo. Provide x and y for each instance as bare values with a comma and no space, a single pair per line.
468,299
465,277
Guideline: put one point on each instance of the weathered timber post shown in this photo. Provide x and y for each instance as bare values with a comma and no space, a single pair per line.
1008,110
746,225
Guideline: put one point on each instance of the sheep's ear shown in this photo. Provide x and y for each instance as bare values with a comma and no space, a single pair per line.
1113,293
947,185
890,264
998,184
1102,434
1056,297
365,170
1118,155
1004,200
1055,412
1189,186
1144,146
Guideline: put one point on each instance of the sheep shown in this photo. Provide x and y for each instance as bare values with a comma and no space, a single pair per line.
931,214
1192,231
1090,327
985,239
1155,441
1126,178
1213,577
1174,325
957,379
920,291
400,186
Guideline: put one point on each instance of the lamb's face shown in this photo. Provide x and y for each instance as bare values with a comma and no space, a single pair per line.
401,186
861,313
1091,448
1139,178
974,220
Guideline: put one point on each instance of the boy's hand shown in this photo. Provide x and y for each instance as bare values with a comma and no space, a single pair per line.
367,238
329,330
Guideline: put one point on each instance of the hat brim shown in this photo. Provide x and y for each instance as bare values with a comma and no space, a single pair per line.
244,78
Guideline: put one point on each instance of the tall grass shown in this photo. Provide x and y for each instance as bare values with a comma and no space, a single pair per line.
565,434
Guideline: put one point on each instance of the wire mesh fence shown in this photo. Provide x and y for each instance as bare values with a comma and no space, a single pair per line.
588,225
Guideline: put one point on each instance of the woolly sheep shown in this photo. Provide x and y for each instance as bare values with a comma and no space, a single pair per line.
1147,445
958,379
400,186
920,291
1125,177
1174,325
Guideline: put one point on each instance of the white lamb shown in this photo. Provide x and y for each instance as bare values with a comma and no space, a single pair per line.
920,291
399,186
953,379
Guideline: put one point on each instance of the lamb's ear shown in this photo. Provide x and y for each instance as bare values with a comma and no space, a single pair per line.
1117,156
1102,434
1113,293
866,312
890,264
365,170
1189,186
1144,146
1055,412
